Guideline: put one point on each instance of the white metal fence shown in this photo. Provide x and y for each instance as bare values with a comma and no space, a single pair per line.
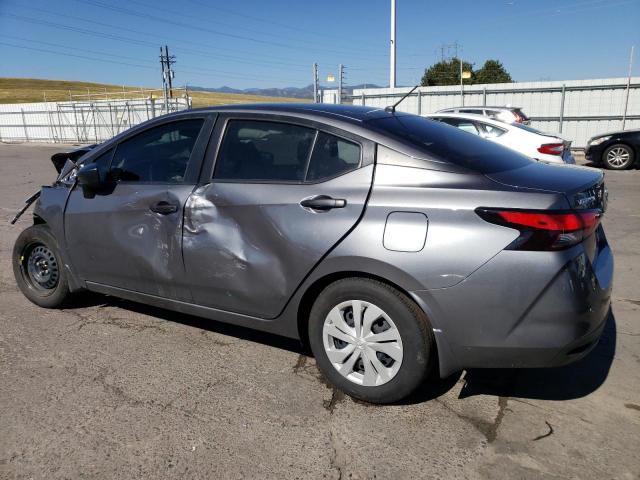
79,121
578,109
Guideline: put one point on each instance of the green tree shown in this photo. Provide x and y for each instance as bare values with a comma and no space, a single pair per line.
493,72
447,72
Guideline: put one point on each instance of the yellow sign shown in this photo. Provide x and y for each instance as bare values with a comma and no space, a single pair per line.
331,78
466,74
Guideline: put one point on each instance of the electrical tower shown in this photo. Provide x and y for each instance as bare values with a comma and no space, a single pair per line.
168,74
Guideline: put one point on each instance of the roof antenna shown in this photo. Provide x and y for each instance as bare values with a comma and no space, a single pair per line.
392,108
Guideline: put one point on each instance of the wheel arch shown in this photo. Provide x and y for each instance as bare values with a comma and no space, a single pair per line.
315,288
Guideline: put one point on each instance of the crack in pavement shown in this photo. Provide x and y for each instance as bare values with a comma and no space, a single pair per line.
630,300
548,434
337,396
111,320
488,429
333,459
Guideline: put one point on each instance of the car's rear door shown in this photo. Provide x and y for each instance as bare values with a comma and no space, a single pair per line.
278,195
130,234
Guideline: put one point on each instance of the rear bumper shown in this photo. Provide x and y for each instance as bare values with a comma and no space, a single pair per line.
523,309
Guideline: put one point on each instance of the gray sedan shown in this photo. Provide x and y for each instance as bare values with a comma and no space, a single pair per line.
390,243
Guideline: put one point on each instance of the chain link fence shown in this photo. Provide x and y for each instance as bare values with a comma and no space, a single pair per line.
80,121
577,109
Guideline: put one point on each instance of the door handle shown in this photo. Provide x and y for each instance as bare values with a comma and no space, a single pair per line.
163,208
323,202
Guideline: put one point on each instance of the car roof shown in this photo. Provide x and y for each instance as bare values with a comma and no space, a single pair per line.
349,113
503,107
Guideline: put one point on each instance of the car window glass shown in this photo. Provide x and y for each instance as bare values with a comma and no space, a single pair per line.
259,150
440,143
102,162
471,110
492,113
159,154
462,124
332,156
492,132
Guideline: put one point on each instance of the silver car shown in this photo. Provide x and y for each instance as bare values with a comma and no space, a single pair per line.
390,243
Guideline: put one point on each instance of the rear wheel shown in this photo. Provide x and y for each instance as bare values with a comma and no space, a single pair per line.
618,157
37,267
370,340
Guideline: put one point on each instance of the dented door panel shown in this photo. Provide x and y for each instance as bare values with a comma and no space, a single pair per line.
248,246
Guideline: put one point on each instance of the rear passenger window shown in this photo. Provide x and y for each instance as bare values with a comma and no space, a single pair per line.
492,132
462,124
258,150
159,154
332,156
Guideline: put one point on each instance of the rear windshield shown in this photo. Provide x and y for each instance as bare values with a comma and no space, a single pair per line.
444,143
528,128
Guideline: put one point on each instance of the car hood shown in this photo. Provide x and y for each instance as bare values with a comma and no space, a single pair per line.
543,177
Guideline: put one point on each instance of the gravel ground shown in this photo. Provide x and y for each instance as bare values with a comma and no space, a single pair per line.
114,389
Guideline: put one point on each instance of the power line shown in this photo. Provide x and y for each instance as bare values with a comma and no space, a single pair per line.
175,23
100,34
194,71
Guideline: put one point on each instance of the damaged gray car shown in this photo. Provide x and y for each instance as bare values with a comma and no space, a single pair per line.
391,244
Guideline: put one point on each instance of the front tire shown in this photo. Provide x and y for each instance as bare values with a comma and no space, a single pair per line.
38,269
618,157
370,340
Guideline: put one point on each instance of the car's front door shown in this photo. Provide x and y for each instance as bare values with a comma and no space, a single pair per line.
130,234
282,194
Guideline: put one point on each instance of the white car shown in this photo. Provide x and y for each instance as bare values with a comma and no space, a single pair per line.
521,138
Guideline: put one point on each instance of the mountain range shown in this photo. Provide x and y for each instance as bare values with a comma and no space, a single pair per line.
291,92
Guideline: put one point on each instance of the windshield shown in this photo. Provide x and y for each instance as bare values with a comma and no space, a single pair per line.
443,143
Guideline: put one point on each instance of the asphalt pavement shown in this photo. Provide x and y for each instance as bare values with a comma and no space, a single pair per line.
114,389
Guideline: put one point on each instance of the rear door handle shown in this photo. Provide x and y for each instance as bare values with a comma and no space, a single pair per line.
323,202
163,208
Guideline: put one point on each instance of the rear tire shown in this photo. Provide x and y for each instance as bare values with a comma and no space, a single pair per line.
618,157
38,269
382,358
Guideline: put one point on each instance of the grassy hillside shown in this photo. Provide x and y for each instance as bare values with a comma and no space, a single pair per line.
21,90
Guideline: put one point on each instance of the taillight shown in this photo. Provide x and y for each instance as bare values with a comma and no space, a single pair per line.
551,148
544,230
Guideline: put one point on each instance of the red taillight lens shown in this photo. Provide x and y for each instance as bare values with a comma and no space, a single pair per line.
544,230
551,148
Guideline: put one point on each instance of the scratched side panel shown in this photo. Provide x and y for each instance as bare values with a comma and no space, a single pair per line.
116,240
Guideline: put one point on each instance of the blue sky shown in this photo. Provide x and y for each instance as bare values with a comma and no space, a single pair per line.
273,43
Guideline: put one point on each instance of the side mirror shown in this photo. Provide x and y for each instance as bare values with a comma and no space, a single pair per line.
89,177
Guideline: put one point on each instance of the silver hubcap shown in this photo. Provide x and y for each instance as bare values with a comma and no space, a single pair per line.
42,268
618,157
362,343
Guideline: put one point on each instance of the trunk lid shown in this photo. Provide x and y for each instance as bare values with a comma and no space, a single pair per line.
583,186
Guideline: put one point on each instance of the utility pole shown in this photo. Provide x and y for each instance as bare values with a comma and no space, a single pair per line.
340,81
461,86
626,100
315,83
392,57
168,74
